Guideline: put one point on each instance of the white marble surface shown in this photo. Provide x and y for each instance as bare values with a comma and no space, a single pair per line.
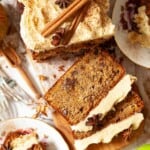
54,68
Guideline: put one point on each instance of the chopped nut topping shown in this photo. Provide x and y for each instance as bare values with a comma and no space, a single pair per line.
63,3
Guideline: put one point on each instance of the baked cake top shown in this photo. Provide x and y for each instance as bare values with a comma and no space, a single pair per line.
37,13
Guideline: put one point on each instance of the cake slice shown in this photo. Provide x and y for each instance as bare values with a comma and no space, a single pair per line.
129,106
95,27
86,84
94,100
119,122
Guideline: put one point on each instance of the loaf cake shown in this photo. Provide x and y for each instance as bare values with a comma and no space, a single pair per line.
86,95
85,84
121,126
95,27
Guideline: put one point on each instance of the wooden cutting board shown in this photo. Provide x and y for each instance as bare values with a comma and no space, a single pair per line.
116,144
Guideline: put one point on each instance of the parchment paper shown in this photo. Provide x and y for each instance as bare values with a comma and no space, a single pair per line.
54,68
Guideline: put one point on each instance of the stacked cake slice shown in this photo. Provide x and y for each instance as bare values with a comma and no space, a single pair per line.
96,100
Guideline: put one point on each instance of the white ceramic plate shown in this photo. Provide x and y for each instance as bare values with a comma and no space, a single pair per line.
135,53
45,132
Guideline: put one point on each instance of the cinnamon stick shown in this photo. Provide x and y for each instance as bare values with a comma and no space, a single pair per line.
75,24
74,7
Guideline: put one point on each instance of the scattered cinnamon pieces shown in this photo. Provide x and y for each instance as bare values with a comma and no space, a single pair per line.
41,109
67,13
43,78
61,68
54,75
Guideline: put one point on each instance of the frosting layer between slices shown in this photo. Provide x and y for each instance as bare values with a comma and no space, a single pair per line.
116,95
106,135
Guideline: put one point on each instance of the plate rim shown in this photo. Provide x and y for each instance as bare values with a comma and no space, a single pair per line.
117,4
11,120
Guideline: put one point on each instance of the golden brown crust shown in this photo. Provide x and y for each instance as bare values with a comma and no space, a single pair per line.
84,85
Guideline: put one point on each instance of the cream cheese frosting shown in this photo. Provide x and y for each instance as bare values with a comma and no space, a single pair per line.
37,13
105,136
116,95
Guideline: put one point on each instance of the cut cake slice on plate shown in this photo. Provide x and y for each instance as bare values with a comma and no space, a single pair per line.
129,109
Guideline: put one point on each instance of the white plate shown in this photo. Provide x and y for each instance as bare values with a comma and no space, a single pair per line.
45,132
134,52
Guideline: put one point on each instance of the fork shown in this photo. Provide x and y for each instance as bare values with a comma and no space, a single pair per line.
3,101
8,91
7,110
13,90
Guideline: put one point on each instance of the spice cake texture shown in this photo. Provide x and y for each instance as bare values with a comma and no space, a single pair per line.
95,97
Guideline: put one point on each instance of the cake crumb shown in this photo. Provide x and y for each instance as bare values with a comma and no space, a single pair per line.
54,76
61,68
43,78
